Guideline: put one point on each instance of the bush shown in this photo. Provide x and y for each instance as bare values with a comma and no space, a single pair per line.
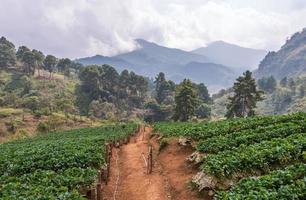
55,121
43,127
42,112
7,112
13,125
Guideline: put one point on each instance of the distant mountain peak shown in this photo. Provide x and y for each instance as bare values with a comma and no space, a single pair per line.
144,43
233,55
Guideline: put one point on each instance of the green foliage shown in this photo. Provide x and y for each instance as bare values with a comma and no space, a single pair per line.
203,94
50,63
43,127
56,165
163,88
21,52
267,84
203,131
7,53
235,139
31,103
262,156
30,62
186,101
157,112
102,83
245,97
7,112
64,66
288,183
203,111
102,110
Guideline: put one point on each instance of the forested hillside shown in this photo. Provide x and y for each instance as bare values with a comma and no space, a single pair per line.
288,61
41,93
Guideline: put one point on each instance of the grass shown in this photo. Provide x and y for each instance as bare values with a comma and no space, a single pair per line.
7,112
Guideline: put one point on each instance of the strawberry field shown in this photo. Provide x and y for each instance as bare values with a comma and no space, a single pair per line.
261,157
56,165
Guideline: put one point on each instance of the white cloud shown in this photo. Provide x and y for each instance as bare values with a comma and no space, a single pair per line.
77,28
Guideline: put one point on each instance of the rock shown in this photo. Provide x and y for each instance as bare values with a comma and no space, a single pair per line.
204,181
184,141
211,193
196,157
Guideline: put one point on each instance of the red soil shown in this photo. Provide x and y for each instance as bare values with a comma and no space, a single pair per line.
179,172
169,179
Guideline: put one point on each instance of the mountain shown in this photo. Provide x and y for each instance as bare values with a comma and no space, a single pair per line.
232,55
100,60
290,60
150,59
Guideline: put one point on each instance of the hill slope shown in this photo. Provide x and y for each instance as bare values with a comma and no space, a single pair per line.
290,60
232,55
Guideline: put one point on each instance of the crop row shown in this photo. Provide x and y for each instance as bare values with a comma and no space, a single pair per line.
246,137
289,183
46,184
257,157
55,165
201,131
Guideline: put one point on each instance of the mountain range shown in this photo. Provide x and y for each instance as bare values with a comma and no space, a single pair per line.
216,65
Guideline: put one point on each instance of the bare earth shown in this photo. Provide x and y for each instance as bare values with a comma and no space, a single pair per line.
128,178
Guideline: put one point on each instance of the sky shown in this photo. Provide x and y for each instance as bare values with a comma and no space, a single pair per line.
79,28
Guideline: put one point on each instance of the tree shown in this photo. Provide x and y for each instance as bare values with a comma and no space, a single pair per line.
203,94
163,88
292,85
30,62
203,111
21,51
7,53
50,64
267,84
64,66
156,112
40,57
245,97
186,101
31,103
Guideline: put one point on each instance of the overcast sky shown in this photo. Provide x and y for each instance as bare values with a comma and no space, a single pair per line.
78,28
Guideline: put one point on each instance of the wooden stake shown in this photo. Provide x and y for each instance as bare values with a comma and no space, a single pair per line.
99,191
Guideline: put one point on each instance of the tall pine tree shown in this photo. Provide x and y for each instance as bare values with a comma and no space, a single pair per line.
186,101
245,97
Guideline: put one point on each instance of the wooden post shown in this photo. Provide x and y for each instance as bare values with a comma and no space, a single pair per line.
100,175
106,152
93,195
150,160
99,191
105,173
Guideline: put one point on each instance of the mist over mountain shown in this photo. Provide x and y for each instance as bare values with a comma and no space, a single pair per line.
150,59
290,60
240,58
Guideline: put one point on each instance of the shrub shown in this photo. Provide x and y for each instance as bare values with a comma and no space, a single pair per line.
43,127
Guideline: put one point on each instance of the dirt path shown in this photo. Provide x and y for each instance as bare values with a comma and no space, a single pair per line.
178,172
128,178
